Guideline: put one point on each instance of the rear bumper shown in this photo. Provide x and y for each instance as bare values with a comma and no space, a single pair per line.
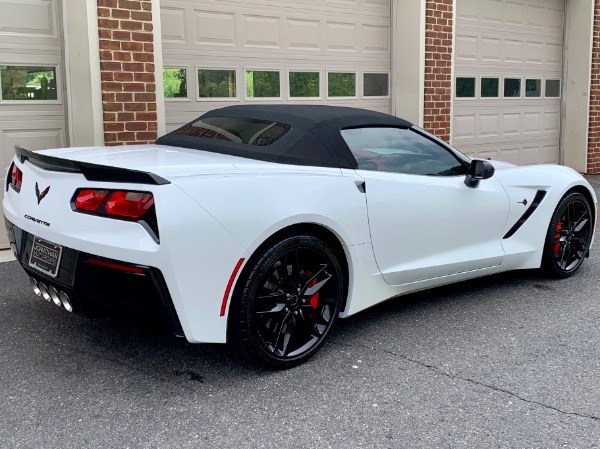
95,284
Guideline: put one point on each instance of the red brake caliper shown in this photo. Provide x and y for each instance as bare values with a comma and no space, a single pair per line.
314,300
557,238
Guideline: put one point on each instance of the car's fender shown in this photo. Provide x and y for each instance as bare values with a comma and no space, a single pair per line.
524,247
253,207
262,205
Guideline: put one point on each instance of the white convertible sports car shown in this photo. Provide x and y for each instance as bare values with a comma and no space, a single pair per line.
261,225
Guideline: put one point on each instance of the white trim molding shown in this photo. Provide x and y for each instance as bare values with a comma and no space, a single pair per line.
82,73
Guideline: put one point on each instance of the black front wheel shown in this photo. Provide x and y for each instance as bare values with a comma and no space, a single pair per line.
287,302
569,236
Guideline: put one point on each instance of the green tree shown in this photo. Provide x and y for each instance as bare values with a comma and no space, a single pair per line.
262,84
342,84
216,83
175,82
304,84
38,78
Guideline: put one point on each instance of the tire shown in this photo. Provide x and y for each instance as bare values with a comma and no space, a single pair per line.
287,303
569,236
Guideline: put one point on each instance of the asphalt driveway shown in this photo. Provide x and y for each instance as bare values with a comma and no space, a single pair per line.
511,361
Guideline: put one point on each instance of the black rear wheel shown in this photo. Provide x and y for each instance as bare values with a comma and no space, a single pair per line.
569,236
288,302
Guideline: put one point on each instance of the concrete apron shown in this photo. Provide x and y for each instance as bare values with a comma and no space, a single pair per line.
6,256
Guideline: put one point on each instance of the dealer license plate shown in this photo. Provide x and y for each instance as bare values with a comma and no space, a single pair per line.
45,256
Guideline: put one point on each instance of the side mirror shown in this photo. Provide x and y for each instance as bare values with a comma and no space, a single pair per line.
477,171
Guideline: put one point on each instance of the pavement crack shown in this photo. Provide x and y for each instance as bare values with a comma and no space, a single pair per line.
476,382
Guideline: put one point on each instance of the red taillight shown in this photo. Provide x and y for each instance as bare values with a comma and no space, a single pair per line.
120,203
90,200
16,178
129,204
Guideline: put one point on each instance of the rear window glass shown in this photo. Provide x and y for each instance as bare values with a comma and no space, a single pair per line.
236,129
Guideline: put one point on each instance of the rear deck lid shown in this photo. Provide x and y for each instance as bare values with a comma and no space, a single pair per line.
149,164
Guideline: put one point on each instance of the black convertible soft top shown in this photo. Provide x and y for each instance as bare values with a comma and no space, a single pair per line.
313,138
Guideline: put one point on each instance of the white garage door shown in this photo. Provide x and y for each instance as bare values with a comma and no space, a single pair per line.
32,112
508,73
218,53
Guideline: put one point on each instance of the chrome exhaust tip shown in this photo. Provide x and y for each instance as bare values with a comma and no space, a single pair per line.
34,286
66,302
54,295
44,291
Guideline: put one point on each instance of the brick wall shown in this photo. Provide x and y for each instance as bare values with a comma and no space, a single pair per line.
438,64
593,164
127,71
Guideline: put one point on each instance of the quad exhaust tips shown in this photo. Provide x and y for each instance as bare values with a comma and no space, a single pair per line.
51,294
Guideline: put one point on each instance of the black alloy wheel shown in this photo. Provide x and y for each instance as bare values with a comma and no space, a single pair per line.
288,302
569,236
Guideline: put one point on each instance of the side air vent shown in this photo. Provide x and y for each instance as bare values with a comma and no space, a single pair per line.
539,196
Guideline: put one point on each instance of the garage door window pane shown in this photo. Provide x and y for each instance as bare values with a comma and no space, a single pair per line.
216,83
465,87
304,84
489,87
512,87
175,82
262,84
533,88
552,88
376,85
25,83
340,84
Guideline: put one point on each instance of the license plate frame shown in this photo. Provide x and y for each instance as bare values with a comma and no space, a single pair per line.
45,256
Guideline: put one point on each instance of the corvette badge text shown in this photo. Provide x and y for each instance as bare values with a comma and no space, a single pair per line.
37,220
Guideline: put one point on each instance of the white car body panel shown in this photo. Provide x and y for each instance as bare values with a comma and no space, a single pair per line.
220,209
268,203
424,227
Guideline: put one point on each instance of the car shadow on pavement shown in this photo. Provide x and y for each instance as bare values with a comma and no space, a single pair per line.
144,348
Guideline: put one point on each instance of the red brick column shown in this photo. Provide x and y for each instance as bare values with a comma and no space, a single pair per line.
127,71
593,161
438,67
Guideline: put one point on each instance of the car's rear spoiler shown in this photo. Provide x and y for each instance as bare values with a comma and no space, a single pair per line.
92,172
